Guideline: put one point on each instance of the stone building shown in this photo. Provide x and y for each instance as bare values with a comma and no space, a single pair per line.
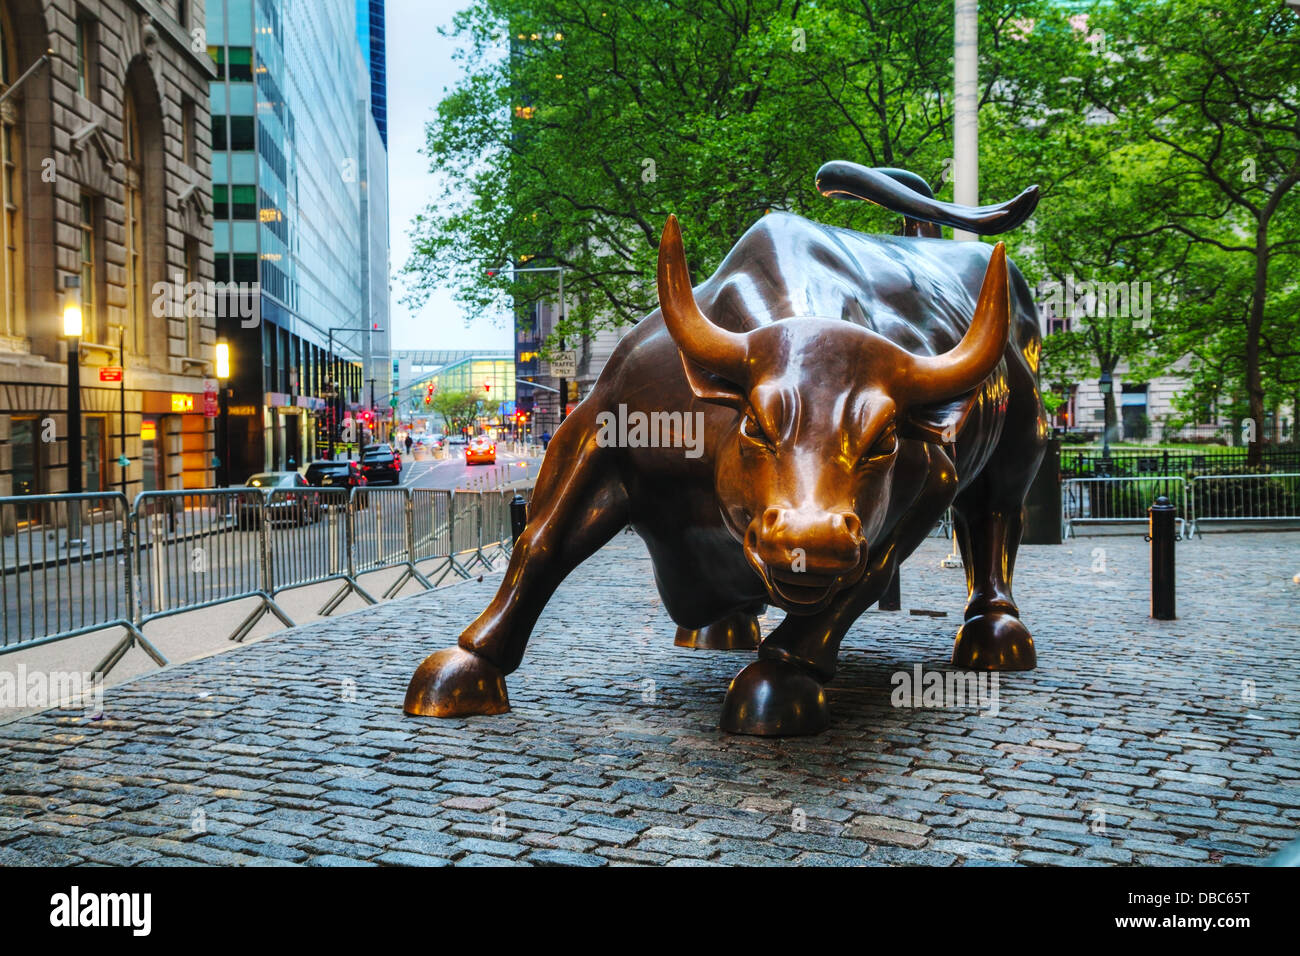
106,180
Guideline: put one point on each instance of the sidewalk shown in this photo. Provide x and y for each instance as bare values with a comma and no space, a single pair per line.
1134,742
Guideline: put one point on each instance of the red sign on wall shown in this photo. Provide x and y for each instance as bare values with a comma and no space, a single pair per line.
110,373
210,405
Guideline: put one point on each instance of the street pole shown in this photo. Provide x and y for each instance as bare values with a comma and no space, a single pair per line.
72,329
121,395
965,119
564,382
223,412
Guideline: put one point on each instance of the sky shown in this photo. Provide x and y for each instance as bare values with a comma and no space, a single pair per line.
420,70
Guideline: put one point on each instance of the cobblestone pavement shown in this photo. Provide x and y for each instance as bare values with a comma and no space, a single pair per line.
1134,742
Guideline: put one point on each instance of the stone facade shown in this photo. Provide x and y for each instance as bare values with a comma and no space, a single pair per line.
143,189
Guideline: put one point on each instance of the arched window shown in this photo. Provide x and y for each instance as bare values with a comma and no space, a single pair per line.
145,208
134,221
11,189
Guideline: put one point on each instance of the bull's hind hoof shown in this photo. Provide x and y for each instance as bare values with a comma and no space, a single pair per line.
772,698
456,683
735,632
994,642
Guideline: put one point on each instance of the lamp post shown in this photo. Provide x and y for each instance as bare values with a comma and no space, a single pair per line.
1106,385
72,329
223,396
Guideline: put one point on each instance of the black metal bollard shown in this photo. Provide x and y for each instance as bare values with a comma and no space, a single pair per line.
891,600
1160,532
518,517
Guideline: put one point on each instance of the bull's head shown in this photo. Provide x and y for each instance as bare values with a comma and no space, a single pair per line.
807,477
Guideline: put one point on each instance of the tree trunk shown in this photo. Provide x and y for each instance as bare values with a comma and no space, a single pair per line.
1110,421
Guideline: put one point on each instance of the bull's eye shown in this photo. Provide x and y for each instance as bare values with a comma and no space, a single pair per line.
883,447
751,429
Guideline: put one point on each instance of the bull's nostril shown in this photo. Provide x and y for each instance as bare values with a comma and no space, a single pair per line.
852,524
770,519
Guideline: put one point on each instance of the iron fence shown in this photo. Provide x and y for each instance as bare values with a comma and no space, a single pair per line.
1137,463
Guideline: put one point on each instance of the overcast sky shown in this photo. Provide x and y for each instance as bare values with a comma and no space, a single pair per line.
420,69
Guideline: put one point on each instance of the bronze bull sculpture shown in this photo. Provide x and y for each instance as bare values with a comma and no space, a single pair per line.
850,387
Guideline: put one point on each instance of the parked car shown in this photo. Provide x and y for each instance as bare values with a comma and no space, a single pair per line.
381,463
289,500
481,451
396,453
457,440
337,473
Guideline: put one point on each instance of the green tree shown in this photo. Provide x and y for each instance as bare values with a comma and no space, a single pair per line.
1210,92
458,410
605,117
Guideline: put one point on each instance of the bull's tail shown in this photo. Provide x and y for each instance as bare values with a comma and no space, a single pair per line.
907,193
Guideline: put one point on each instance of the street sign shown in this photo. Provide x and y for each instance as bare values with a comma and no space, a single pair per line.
110,373
564,364
210,405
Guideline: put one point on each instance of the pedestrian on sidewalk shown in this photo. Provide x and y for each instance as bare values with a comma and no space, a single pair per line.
546,440
408,443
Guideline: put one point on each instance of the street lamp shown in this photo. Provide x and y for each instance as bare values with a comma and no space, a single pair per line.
1106,384
223,440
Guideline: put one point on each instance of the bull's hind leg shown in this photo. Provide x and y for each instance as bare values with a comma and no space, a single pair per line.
578,505
988,518
735,632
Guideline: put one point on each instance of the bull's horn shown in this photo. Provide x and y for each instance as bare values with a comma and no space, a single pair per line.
709,346
932,378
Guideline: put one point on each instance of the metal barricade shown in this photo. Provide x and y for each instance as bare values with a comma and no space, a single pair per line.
431,530
466,543
307,541
196,549
1257,498
75,564
67,571
1098,501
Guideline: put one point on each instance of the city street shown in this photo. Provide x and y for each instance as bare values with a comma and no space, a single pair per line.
451,472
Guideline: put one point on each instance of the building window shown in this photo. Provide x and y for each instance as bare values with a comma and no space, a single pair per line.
241,134
243,202
94,316
245,268
87,57
218,132
11,189
193,316
239,64
189,132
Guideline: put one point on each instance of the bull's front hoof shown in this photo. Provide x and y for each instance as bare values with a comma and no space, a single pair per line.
772,698
994,642
735,632
456,683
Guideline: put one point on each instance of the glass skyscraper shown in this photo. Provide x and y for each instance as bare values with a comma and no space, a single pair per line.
301,208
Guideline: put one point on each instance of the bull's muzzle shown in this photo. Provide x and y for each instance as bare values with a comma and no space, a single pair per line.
805,556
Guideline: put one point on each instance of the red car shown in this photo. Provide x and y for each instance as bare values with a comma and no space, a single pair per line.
481,451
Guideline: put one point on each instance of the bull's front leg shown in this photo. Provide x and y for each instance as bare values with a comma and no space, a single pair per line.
579,503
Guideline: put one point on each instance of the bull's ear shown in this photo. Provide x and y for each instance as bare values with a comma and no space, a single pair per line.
939,422
711,387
